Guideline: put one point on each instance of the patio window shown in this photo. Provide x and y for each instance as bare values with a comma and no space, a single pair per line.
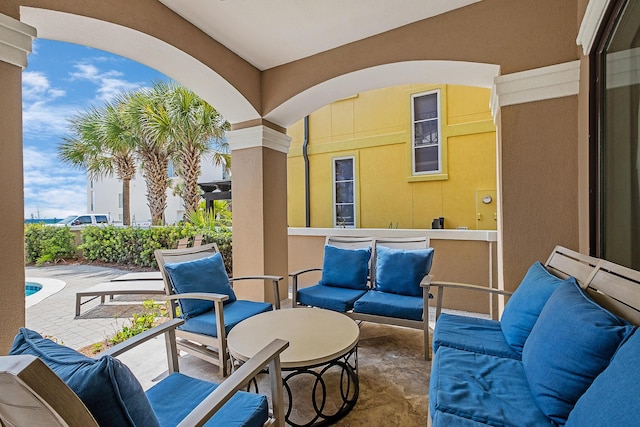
344,192
425,110
616,148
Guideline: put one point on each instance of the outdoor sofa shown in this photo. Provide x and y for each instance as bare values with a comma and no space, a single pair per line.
565,351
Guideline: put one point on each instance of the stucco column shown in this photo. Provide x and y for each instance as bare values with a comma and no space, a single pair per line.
537,116
15,44
259,197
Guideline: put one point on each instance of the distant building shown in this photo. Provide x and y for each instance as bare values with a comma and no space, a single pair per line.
105,195
396,157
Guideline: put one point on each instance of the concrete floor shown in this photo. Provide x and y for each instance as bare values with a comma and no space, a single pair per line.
393,375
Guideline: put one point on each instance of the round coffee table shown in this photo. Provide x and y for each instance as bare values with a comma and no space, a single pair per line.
322,359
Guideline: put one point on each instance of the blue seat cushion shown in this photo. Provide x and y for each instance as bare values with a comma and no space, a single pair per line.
177,395
445,419
234,313
200,275
612,400
400,271
345,268
472,334
330,297
105,385
524,306
572,341
390,305
482,388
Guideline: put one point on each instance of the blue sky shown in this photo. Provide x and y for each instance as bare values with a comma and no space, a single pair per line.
61,80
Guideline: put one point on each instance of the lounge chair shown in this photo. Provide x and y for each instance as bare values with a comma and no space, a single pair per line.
119,287
44,383
195,279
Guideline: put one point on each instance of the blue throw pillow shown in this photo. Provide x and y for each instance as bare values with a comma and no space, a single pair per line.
612,400
201,275
524,306
345,268
400,271
106,386
570,344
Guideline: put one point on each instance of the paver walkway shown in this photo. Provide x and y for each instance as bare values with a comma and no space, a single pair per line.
55,315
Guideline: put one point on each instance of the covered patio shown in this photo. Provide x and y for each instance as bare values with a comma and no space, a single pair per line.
266,66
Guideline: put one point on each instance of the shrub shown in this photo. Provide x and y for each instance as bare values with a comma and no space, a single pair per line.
48,244
135,246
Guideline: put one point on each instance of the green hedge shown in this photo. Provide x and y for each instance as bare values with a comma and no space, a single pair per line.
48,244
124,245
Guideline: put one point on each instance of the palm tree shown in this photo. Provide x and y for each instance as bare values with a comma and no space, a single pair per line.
145,113
190,126
102,144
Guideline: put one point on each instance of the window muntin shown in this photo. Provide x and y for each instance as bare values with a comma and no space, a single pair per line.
426,151
344,213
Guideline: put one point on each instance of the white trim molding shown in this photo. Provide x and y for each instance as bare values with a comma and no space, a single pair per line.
258,136
554,81
591,21
16,39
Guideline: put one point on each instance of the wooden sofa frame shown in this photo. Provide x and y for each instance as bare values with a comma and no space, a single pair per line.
562,262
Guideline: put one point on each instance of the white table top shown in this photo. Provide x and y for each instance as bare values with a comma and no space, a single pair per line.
315,335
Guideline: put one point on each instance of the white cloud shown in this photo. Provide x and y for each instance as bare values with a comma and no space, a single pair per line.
109,85
52,189
36,86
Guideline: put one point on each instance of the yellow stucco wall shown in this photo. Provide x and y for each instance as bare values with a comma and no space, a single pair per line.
375,128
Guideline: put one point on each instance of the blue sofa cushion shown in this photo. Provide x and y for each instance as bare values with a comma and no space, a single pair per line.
570,344
482,388
330,297
177,395
472,334
400,271
200,275
612,400
345,268
445,419
106,386
390,305
234,313
524,306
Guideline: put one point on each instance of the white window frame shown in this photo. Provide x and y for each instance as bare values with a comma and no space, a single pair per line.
413,136
336,223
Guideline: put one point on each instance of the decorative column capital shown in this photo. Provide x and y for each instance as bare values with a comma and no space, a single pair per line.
554,81
15,41
258,136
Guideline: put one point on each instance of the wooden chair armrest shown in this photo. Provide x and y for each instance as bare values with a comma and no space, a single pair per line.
426,281
199,295
306,270
465,286
164,328
470,287
294,284
270,355
274,280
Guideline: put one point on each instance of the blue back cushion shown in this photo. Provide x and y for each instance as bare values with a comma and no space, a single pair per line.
524,306
106,386
200,275
612,400
400,271
345,268
570,344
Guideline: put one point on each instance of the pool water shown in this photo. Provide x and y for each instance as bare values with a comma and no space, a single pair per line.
31,288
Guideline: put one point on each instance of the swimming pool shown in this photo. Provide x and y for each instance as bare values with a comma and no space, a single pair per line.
37,289
31,288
